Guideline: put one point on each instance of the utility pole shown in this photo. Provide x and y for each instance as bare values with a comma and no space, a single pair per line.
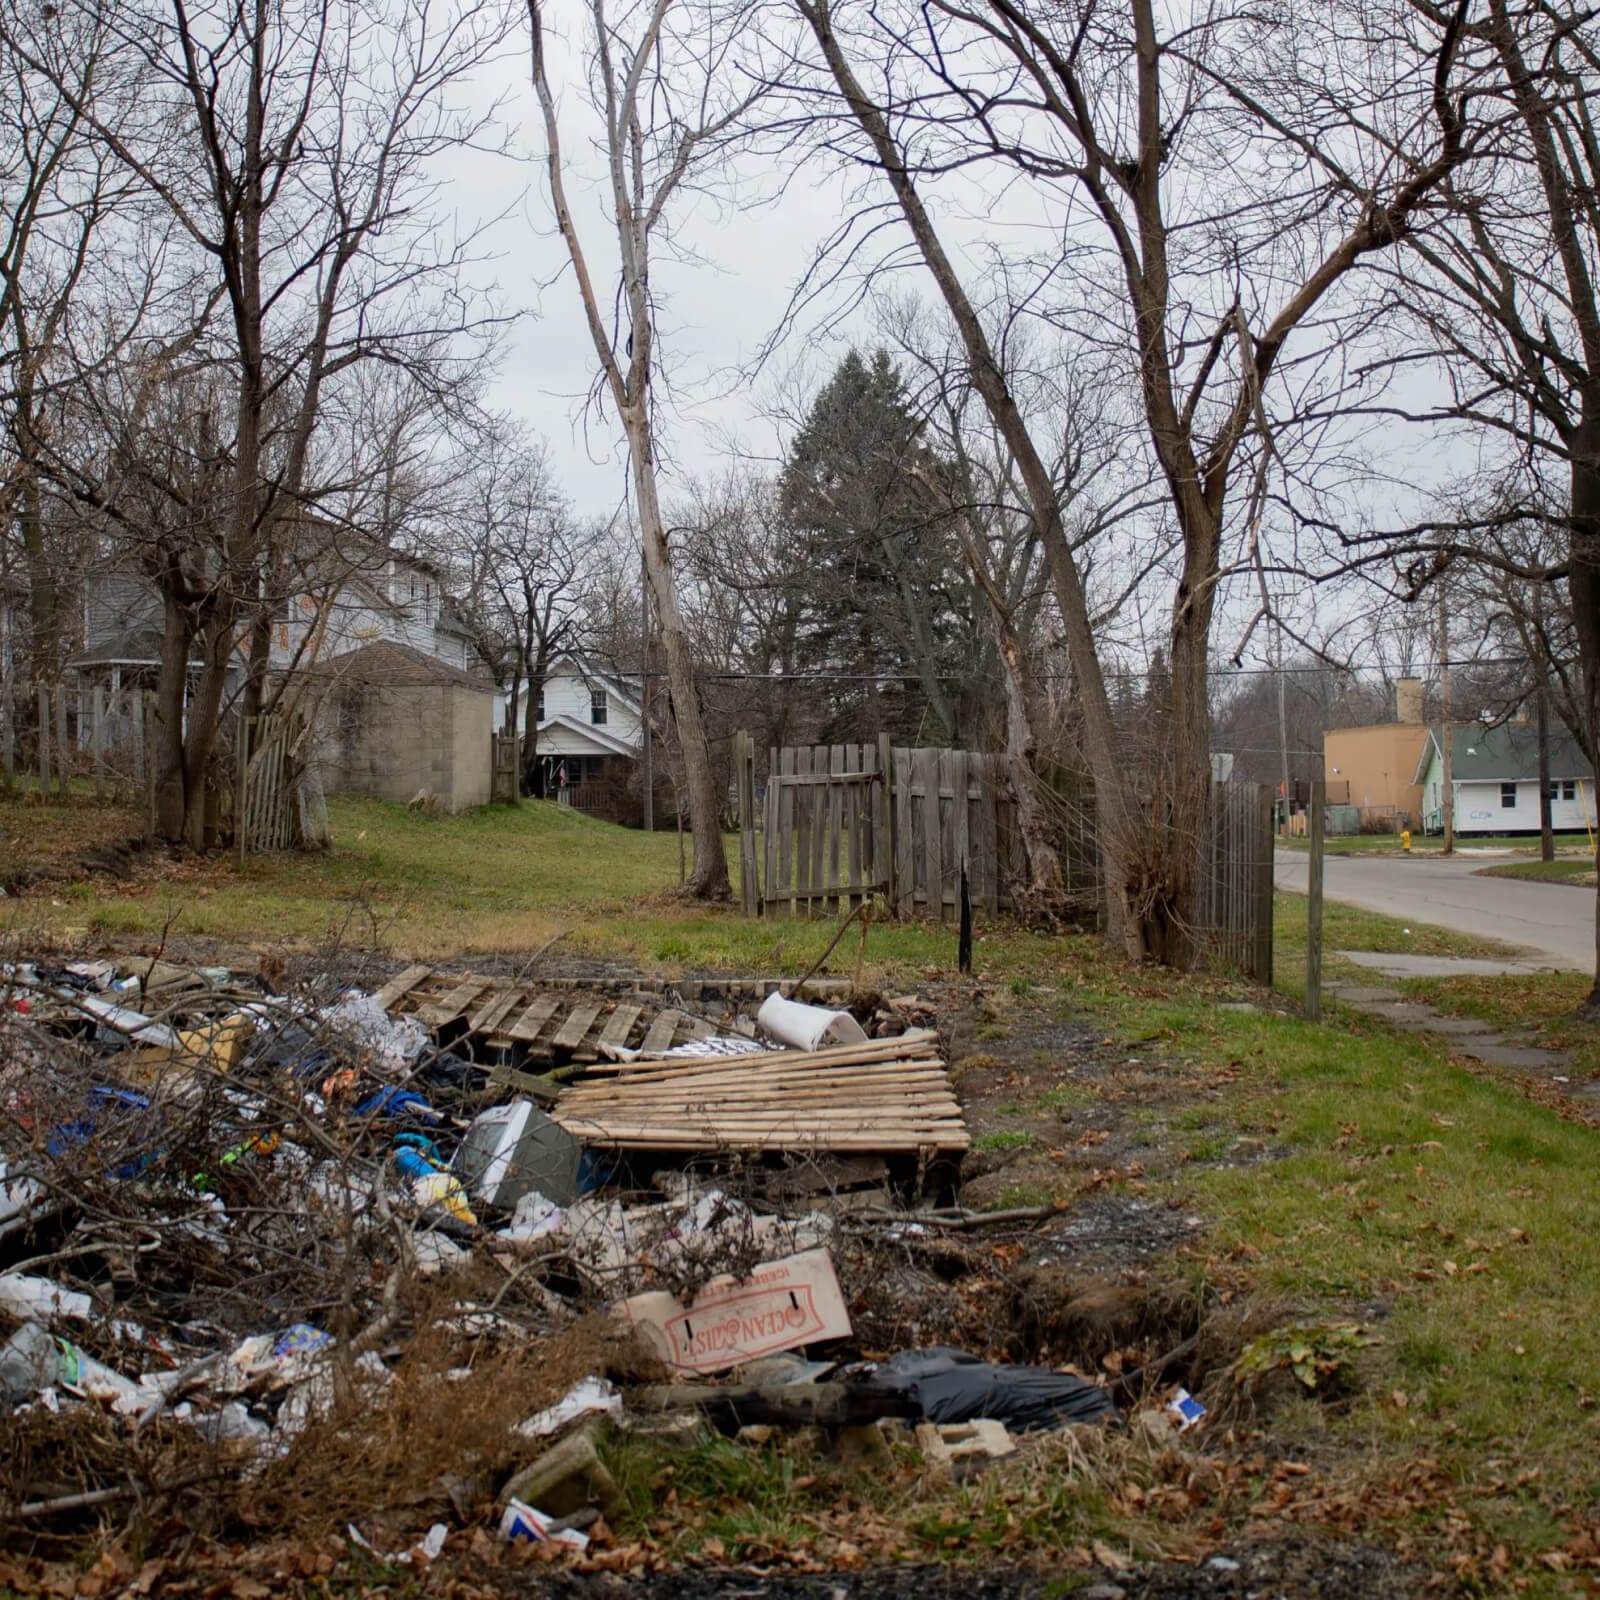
1541,679
1283,731
644,698
1446,752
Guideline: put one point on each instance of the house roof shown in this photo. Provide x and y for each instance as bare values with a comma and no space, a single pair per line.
584,669
132,647
1504,754
605,743
389,664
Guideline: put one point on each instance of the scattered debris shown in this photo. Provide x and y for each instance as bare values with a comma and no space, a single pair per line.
781,1305
274,1238
884,1096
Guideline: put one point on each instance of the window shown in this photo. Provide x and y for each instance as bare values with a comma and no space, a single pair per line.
538,707
1508,797
597,707
1569,789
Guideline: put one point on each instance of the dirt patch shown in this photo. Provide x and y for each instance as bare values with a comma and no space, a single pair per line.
42,845
1305,1568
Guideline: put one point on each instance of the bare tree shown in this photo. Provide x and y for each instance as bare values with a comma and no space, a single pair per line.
1123,121
1508,287
664,106
525,582
293,143
61,186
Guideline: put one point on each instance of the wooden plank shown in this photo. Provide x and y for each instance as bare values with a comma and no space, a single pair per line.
882,834
803,801
98,735
960,823
770,818
986,846
821,761
659,1036
786,826
619,1023
527,1027
838,763
63,766
933,860
453,1002
572,1032
401,985
494,1010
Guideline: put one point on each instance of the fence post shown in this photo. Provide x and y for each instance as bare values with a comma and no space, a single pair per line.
241,793
1265,836
1319,798
744,755
8,728
97,732
44,741
62,744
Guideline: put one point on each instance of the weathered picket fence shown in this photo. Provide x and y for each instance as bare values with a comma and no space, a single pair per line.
829,826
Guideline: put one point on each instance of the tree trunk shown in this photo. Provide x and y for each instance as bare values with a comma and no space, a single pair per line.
538,670
708,878
1044,862
1583,582
171,804
1115,808
1174,930
200,736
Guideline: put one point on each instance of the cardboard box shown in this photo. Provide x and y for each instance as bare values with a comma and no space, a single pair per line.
782,1305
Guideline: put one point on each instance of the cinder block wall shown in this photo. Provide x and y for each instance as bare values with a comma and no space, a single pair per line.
393,742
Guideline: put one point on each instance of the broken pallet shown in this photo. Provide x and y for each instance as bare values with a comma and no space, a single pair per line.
885,1096
546,1022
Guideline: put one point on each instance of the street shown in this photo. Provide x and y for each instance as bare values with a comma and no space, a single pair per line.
1556,920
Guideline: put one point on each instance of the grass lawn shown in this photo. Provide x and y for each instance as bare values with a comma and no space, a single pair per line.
1389,843
1443,1212
1579,873
1349,928
500,878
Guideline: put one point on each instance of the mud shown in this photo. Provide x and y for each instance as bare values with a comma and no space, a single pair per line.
1279,1569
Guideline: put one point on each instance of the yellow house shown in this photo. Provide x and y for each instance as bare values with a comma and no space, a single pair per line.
1374,768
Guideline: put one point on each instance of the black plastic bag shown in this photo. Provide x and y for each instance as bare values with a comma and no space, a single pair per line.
952,1386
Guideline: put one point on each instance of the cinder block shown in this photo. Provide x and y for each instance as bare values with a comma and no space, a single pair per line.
952,1444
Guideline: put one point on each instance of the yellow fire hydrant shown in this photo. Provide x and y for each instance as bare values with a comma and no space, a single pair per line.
1405,840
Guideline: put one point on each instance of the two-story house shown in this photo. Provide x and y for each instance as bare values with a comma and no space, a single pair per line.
590,738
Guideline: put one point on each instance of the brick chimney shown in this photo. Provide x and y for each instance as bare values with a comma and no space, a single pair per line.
1408,700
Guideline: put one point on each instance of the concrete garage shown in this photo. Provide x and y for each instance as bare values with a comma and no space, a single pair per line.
396,724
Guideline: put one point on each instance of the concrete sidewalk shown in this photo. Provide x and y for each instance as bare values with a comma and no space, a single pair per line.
1554,922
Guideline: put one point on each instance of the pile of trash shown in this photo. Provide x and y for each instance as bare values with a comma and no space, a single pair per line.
243,1219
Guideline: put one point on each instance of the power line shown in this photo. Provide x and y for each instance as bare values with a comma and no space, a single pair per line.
1110,672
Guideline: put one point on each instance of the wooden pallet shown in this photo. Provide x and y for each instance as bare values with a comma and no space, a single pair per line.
886,1097
558,1024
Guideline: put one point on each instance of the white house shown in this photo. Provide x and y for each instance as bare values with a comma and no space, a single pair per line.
590,736
1495,774
350,592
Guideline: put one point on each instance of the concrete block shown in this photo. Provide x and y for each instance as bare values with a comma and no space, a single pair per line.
953,1444
566,1478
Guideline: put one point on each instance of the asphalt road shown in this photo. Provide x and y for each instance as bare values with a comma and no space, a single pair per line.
1554,919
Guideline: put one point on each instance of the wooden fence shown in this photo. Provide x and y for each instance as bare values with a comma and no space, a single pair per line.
505,768
835,824
52,734
1239,867
839,823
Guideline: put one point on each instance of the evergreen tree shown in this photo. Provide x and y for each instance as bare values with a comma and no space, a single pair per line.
888,593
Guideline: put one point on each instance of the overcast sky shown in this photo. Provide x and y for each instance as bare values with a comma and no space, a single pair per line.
719,296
